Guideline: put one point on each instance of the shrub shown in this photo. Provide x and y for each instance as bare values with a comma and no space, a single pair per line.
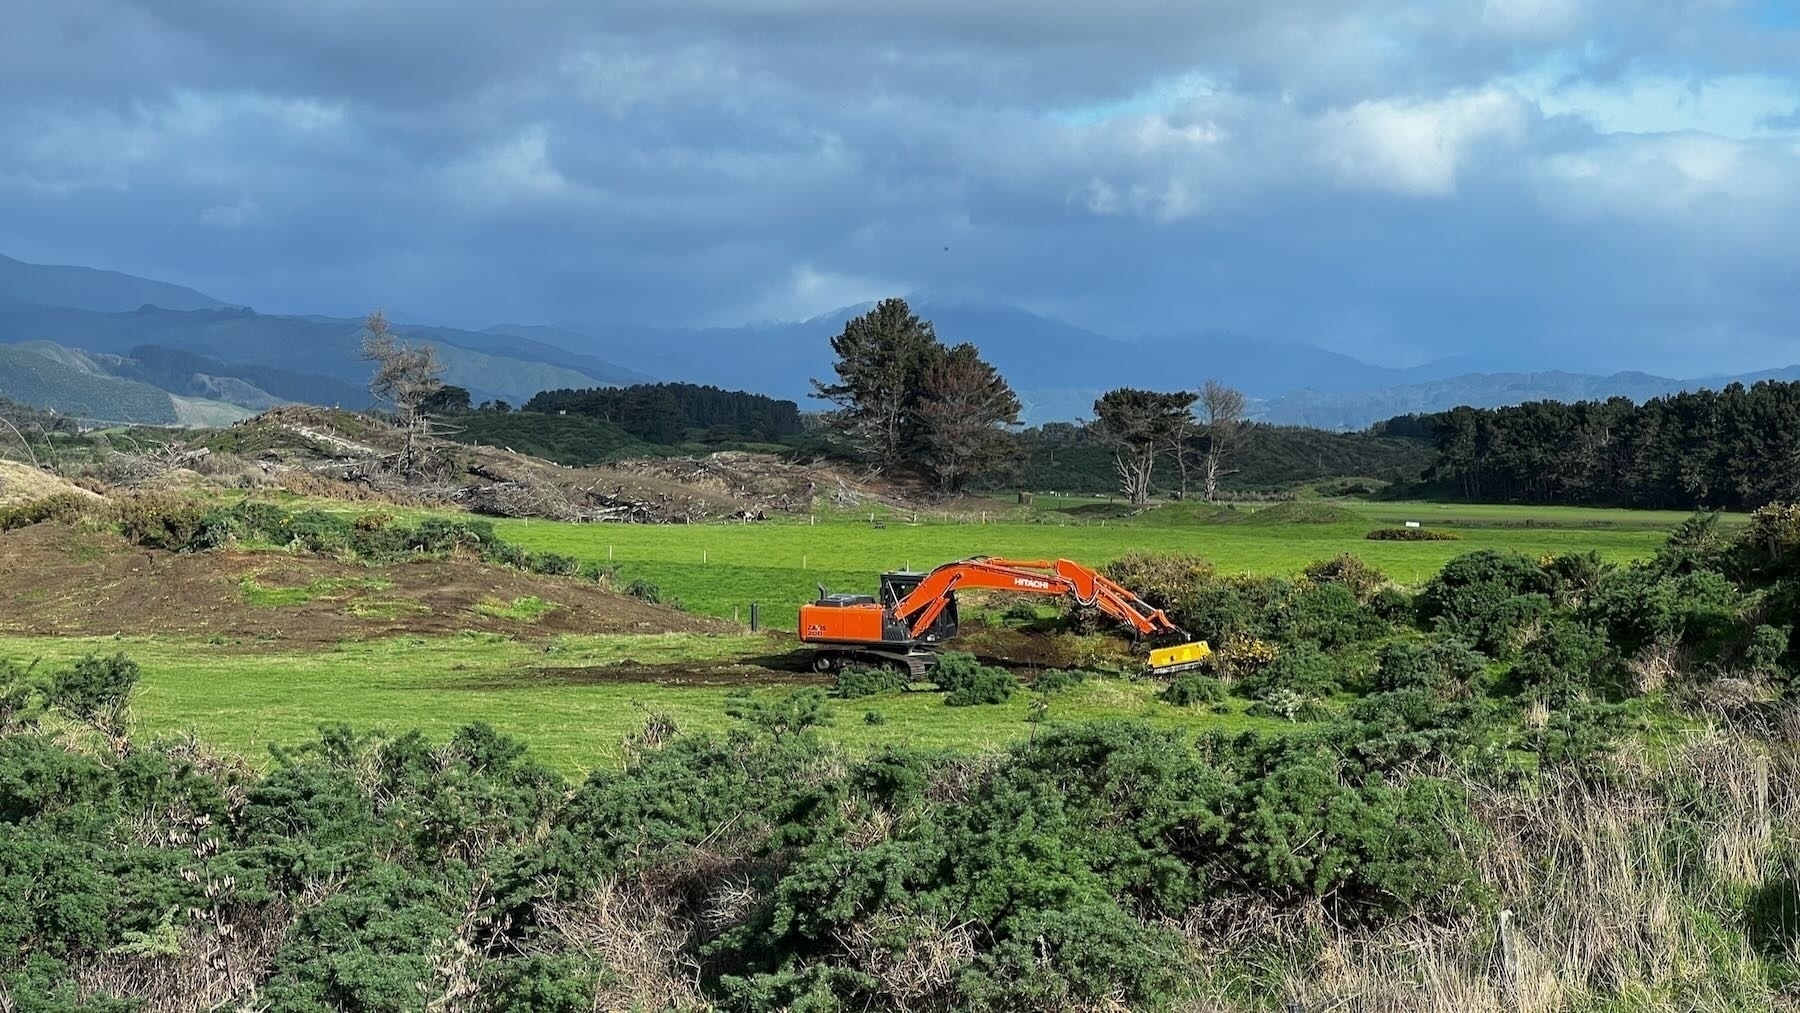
63,507
988,686
792,715
1642,606
1326,615
1243,657
858,681
1303,670
160,521
1487,598
645,591
1055,680
874,718
1349,570
373,522
95,689
1020,611
1393,606
1412,535
1192,690
552,564
1768,646
1441,666
1567,662
953,668
1166,580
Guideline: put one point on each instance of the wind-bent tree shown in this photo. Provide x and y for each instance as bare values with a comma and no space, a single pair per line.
447,400
966,412
406,377
881,357
1138,424
1224,430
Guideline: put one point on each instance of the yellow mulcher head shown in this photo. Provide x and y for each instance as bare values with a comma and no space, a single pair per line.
1179,658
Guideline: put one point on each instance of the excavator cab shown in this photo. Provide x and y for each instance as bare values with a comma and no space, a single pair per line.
896,585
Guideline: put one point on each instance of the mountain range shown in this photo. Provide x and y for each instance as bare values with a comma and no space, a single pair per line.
92,342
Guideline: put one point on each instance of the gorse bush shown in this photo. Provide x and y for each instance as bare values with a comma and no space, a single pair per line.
66,507
1304,671
1443,667
988,686
1487,598
644,590
969,683
856,682
1361,579
1055,680
1412,535
1193,690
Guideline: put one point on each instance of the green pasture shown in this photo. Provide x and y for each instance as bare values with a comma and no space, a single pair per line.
719,569
245,696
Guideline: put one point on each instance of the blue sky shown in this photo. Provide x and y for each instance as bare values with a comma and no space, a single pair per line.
1524,183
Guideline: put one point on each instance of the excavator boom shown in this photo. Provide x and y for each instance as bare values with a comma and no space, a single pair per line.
916,611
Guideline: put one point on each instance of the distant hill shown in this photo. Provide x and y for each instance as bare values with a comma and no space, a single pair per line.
75,383
1358,409
256,387
89,289
489,365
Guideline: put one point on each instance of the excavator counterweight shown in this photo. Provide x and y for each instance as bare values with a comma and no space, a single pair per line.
914,613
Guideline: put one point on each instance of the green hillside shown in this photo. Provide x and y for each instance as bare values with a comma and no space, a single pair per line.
45,376
489,365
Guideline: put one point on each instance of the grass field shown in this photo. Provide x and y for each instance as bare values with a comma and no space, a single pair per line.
719,569
245,697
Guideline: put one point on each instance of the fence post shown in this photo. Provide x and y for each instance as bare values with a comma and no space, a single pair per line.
754,618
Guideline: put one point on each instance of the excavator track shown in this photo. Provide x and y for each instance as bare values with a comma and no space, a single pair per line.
917,664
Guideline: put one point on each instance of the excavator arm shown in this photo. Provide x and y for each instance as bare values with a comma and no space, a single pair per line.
1061,578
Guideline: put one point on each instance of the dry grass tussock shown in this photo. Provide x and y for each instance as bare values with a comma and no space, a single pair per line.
22,483
1623,894
630,929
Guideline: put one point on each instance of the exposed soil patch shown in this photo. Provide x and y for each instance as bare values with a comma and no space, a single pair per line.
59,581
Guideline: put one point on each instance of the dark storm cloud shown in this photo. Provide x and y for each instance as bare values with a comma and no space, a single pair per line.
1551,179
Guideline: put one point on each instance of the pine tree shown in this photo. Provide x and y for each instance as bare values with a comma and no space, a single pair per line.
881,358
966,410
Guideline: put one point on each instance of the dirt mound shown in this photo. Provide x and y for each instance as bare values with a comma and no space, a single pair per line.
60,581
359,453
21,483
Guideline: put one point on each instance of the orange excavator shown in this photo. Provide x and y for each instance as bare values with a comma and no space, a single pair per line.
916,612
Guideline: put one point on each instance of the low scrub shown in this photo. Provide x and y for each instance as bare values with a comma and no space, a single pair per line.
856,682
1412,535
968,683
1056,680
177,523
1194,691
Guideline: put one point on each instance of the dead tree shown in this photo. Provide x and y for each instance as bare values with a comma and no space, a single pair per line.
406,376
1224,427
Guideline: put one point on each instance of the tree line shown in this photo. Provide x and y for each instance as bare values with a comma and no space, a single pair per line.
909,402
667,412
1735,448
